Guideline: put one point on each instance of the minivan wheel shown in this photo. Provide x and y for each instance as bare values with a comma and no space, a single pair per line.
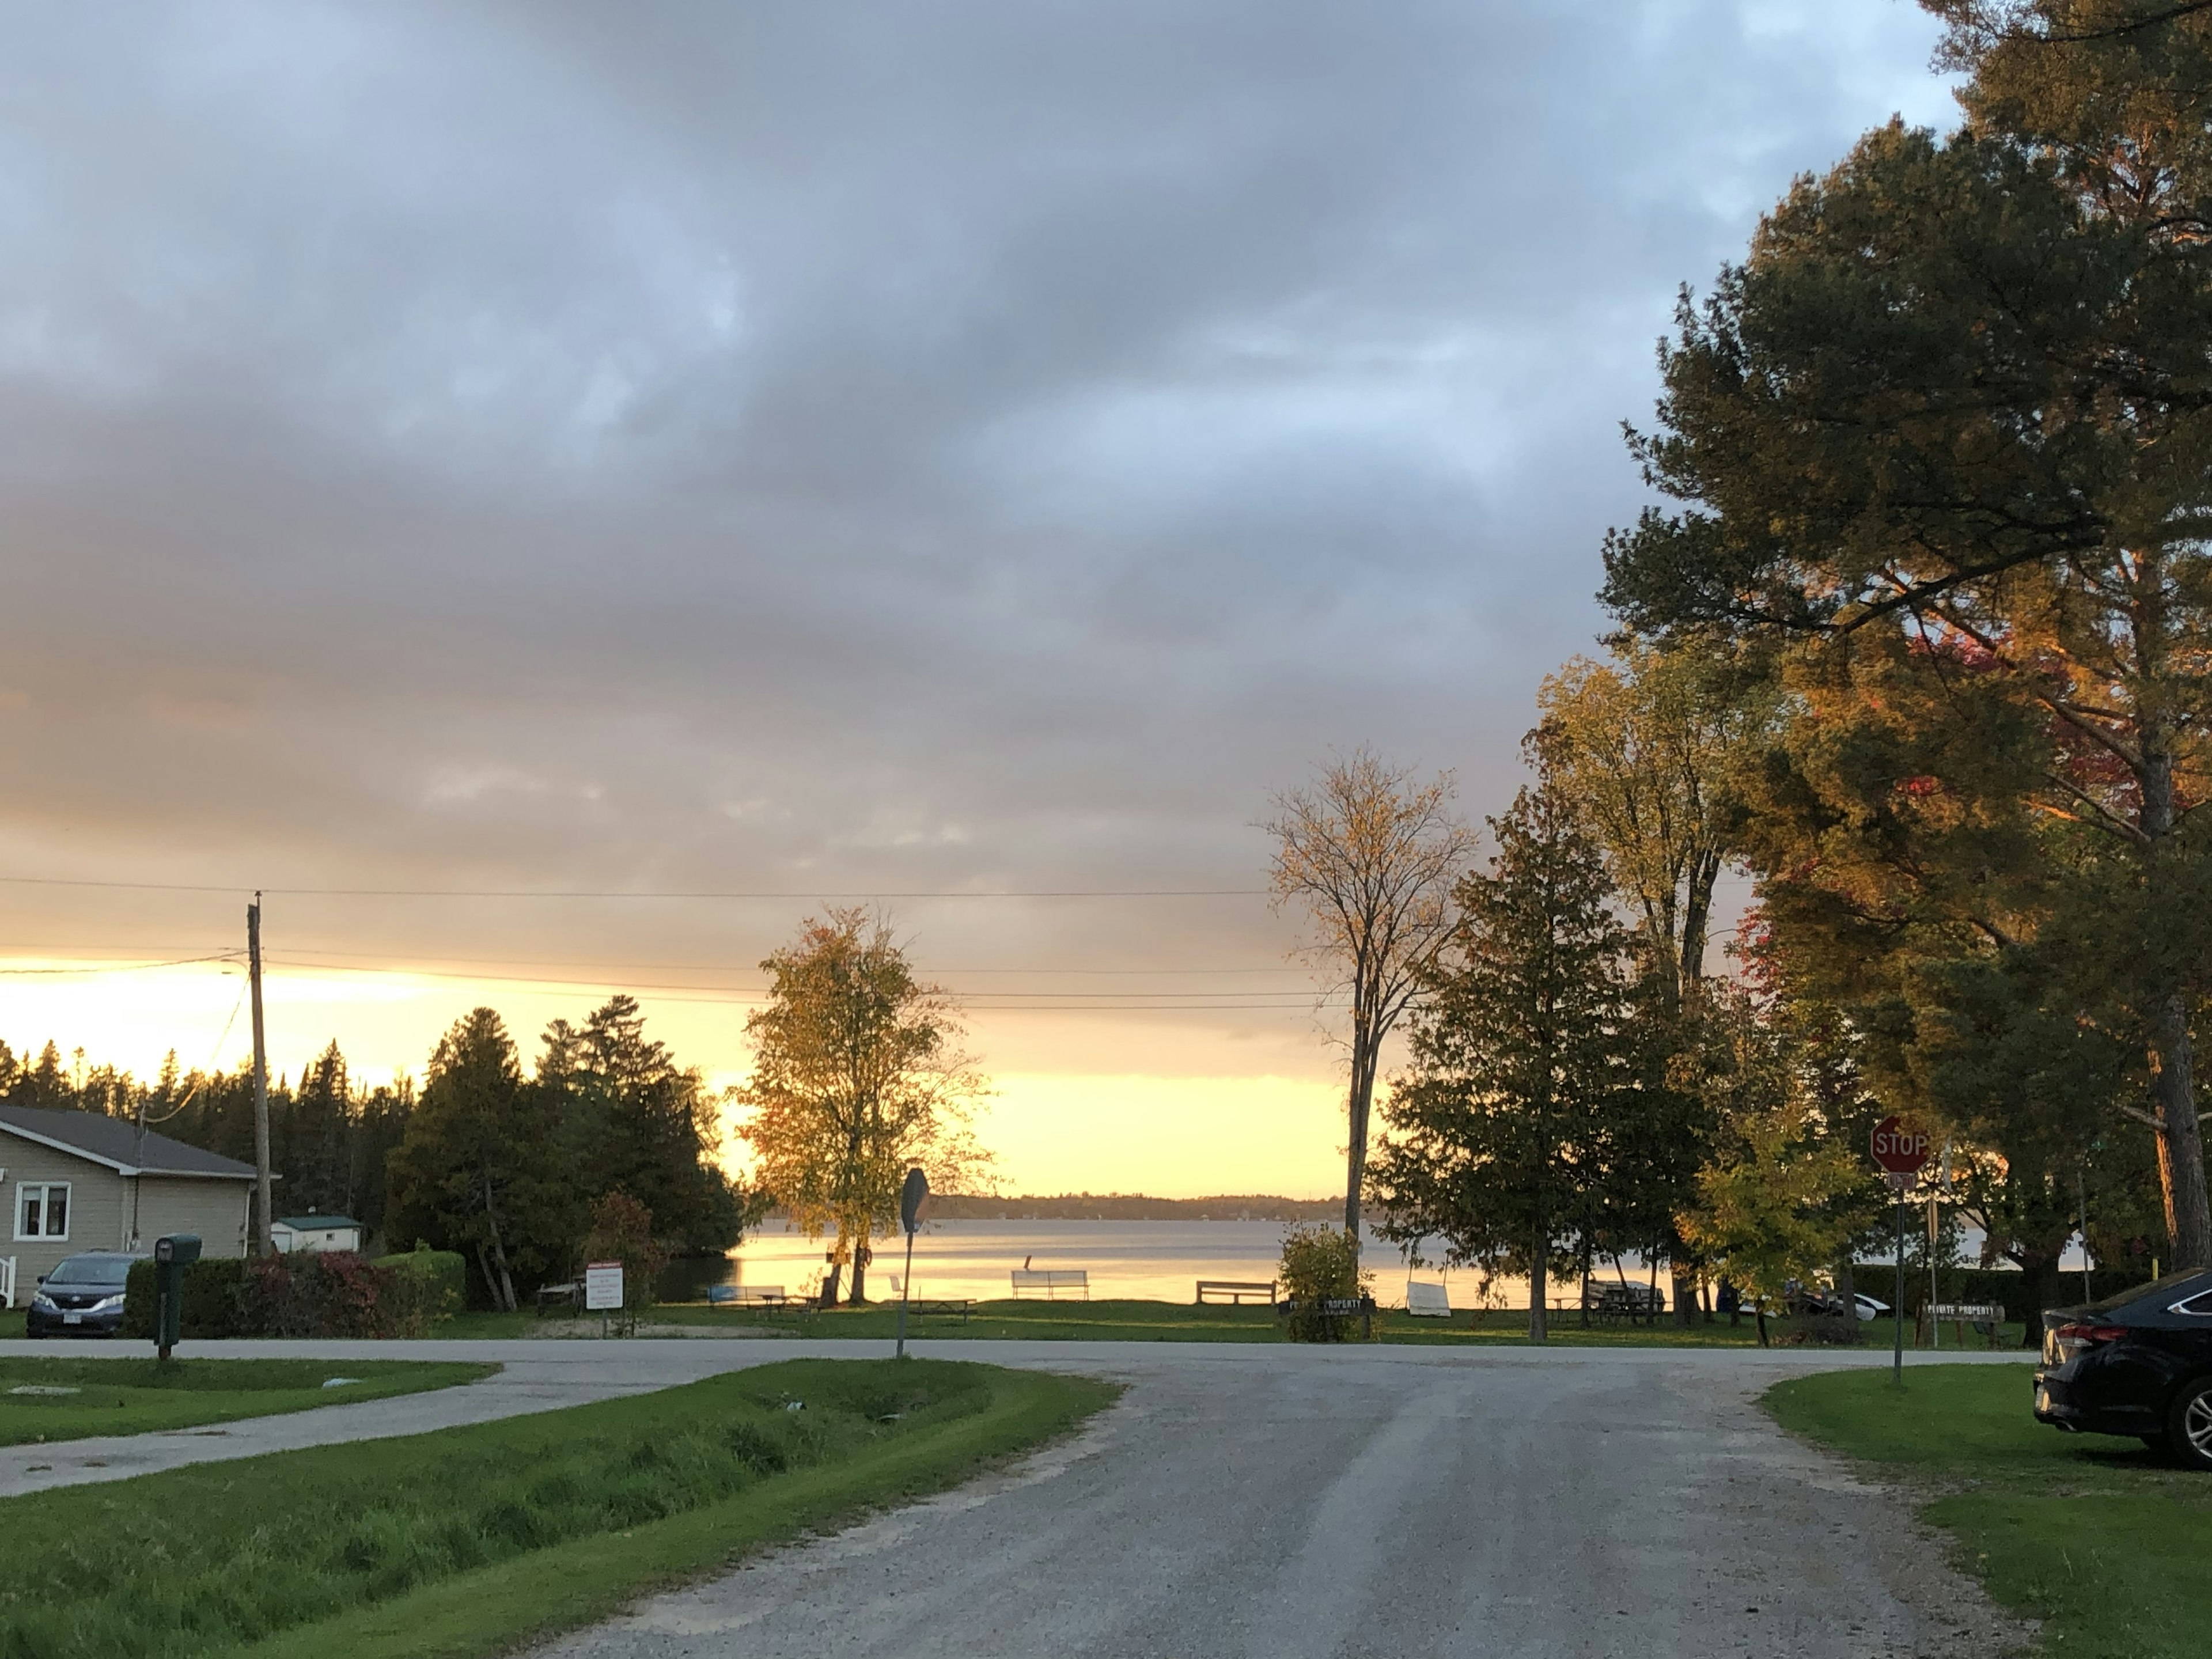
2189,1425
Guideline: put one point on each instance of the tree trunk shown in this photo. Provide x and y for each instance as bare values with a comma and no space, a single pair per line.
504,1291
2037,1268
1685,1296
860,1292
1359,1104
2180,1135
1847,1293
1539,1323
1696,918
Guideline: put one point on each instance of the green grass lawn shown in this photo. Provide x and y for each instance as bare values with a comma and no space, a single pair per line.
2102,1538
471,1540
11,1321
137,1396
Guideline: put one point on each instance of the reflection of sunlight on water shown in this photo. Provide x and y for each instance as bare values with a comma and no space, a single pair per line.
1156,1260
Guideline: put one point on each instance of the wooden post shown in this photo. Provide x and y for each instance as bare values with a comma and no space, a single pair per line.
264,1239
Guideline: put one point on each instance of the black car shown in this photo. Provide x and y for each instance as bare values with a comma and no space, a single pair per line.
82,1296
2136,1364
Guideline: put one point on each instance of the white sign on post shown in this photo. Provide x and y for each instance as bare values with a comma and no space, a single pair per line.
603,1287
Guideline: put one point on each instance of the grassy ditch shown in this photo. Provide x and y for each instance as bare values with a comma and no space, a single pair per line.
469,1540
2103,1540
1117,1320
43,1399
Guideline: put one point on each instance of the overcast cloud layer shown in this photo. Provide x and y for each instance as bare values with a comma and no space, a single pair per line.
824,447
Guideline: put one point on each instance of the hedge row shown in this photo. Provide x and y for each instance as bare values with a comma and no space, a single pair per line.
309,1293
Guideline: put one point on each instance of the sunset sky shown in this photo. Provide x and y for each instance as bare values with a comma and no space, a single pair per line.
793,453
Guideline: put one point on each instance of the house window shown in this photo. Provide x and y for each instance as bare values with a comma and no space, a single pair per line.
42,1210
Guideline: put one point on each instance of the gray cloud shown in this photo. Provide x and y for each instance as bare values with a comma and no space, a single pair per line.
886,447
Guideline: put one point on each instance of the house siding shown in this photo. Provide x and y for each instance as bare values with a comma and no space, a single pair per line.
100,1212
97,1214
215,1210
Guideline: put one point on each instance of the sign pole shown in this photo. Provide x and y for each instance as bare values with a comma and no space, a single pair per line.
1900,1149
1897,1313
914,1197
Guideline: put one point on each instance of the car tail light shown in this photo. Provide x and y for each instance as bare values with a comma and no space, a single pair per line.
2068,1340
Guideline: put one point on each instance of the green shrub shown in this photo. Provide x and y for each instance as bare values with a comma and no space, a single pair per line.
1321,1264
322,1294
429,1287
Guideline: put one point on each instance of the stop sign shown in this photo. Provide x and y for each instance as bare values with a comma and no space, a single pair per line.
1900,1147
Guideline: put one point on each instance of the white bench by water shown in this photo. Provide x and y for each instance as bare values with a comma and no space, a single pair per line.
1425,1301
1052,1281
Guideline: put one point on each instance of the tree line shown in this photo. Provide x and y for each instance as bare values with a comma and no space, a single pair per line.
1920,644
502,1165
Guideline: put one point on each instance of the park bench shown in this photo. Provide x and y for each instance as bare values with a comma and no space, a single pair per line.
1052,1281
569,1295
1235,1290
770,1296
947,1305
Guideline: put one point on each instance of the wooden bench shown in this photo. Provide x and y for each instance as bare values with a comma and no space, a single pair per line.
569,1295
1235,1290
1052,1281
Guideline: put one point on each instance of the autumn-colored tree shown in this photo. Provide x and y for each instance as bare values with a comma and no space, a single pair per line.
858,1076
1949,428
1371,857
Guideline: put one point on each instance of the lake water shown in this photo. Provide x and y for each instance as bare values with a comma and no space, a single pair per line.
1156,1260
1153,1261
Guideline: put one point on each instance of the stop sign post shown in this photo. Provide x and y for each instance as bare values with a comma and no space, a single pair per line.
1900,1148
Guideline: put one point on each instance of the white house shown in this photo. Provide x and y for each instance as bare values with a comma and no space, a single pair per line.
315,1232
79,1181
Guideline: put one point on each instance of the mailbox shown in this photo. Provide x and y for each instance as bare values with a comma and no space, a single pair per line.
170,1255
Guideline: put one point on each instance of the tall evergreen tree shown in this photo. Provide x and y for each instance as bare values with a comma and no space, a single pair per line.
1500,1136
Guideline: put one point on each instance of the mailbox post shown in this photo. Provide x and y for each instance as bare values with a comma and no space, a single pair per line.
170,1255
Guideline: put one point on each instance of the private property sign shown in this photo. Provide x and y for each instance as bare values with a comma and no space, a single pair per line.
1900,1147
603,1287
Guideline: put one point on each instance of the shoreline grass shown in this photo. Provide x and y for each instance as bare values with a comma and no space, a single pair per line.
2102,1538
471,1540
126,1397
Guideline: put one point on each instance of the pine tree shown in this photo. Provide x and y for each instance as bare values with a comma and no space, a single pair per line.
1502,1137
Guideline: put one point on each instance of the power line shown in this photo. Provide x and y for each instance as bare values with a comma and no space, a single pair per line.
804,896
757,994
121,966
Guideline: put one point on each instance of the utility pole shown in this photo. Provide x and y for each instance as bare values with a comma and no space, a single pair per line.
264,1242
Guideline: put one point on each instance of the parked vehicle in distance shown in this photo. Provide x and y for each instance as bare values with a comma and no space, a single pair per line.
2136,1364
82,1296
1827,1302
1868,1307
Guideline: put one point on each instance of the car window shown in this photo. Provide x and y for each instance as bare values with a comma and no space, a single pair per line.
2173,1283
99,1272
2198,1306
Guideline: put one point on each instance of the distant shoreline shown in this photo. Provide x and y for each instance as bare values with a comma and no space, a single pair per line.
1129,1206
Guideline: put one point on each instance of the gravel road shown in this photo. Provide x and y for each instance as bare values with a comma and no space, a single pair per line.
1282,1503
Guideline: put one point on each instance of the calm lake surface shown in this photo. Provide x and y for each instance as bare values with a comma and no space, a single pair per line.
1158,1261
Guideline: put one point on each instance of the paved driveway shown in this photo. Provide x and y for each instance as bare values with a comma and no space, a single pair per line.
1269,1501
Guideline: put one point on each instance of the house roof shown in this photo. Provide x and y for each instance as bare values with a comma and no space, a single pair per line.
118,1143
310,1224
